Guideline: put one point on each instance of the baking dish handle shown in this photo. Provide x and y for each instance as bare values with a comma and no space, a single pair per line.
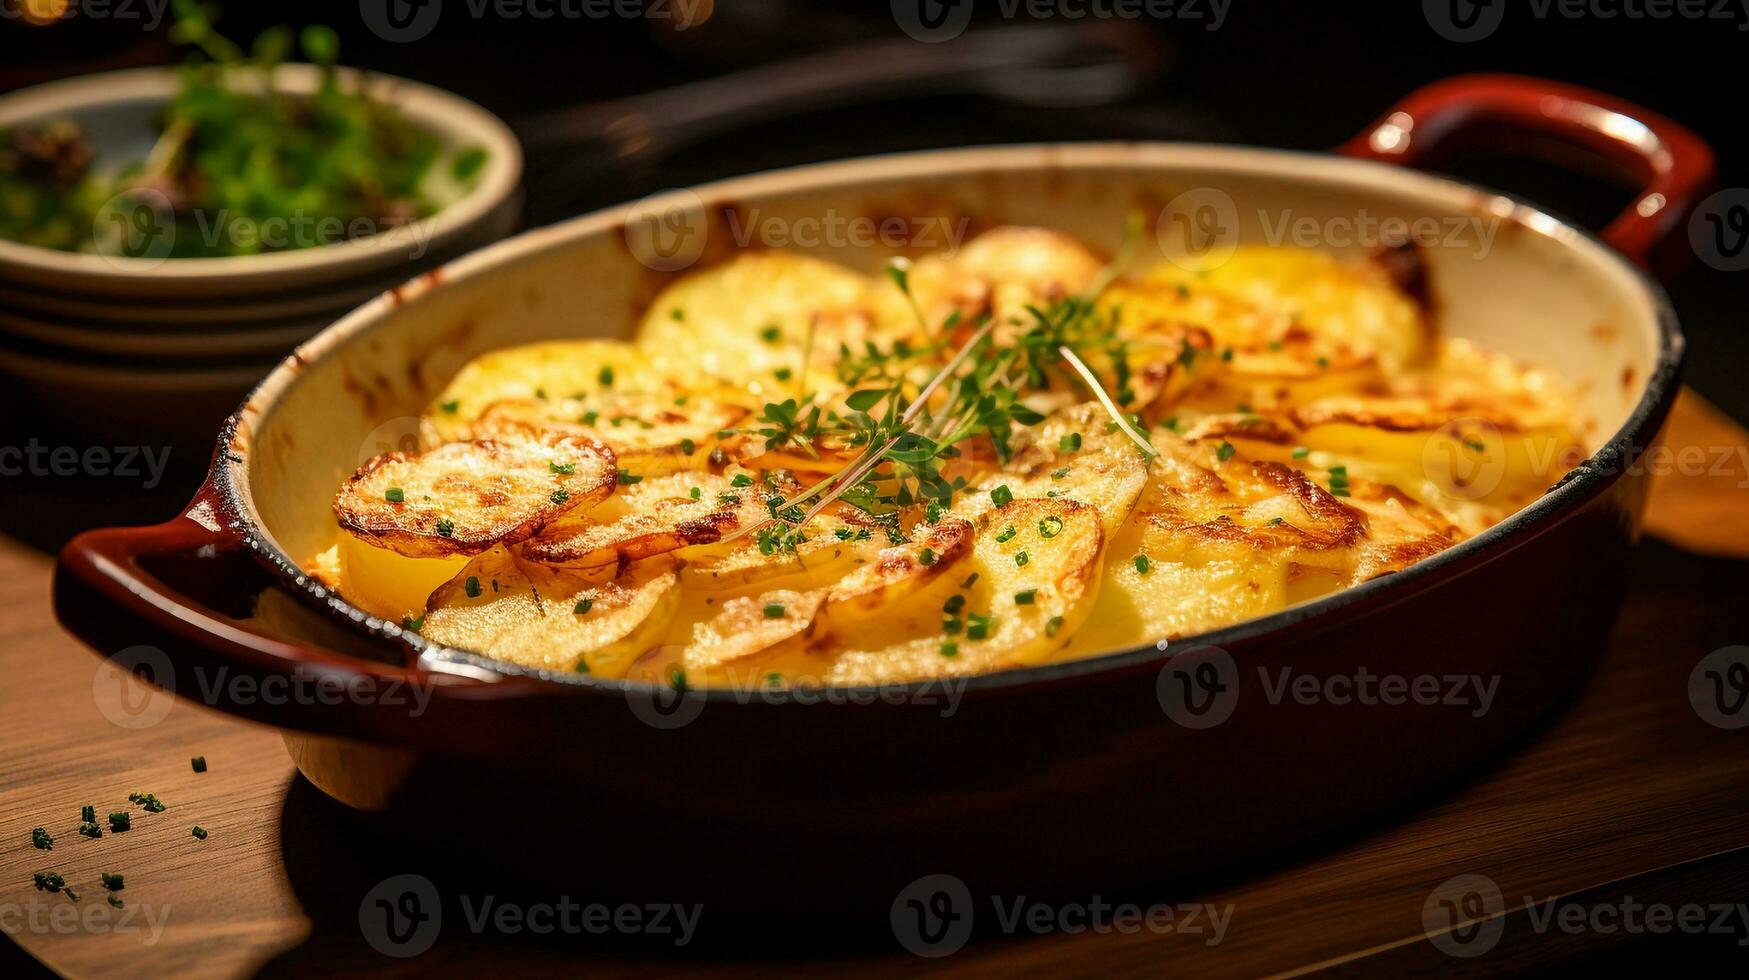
1671,165
175,597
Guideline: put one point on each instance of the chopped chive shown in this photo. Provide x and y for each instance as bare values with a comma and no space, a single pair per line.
472,587
953,605
695,493
1475,445
627,478
88,813
115,900
114,883
677,314
1021,558
591,417
583,606
926,557
394,495
978,627
1001,495
559,496
741,480
564,469
770,333
90,829
1007,534
450,406
1143,564
688,447
677,679
120,821
1050,527
1025,598
198,763
783,374
1069,443
774,610
1053,625
1274,522
949,648
445,527
1058,474
969,580
199,833
1224,451
413,623
1301,452
932,513
40,839
605,377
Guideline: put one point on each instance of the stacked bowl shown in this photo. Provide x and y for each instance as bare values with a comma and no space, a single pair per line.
134,345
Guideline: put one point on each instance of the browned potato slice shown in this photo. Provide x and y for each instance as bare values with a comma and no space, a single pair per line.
653,516
554,369
1002,272
652,434
834,542
1076,454
537,617
1038,565
753,624
900,571
465,497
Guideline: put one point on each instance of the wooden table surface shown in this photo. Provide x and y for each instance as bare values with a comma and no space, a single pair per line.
1624,795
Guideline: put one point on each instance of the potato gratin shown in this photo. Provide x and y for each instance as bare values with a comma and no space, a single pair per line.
800,475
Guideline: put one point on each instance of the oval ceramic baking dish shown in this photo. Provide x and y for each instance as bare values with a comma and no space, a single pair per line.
1147,762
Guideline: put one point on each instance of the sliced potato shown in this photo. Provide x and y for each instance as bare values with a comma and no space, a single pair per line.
465,497
651,434
1076,454
749,625
749,318
1038,564
1001,272
654,516
832,544
538,617
1262,293
554,370
899,571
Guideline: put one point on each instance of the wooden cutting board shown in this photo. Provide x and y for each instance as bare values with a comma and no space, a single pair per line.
1624,791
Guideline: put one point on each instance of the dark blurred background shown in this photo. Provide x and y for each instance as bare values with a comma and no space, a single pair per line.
1285,74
